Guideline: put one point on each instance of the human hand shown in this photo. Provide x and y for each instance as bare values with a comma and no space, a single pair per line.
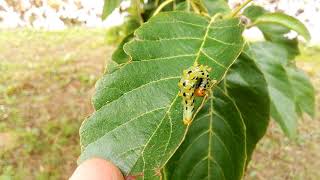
96,169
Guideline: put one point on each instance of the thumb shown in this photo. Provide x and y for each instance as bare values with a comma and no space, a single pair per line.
96,169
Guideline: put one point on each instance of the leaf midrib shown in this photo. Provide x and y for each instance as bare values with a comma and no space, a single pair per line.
196,59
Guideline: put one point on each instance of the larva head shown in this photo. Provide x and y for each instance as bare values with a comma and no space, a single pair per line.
200,92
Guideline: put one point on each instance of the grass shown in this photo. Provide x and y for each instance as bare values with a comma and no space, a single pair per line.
46,82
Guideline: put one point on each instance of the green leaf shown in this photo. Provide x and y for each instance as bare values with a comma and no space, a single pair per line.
273,32
119,56
126,30
111,66
253,12
109,6
246,85
182,43
217,6
216,137
271,60
286,21
138,123
214,147
303,91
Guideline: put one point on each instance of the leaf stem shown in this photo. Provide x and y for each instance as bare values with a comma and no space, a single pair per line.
194,7
251,25
161,6
137,10
238,9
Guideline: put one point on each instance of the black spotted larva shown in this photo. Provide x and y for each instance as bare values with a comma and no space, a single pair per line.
194,82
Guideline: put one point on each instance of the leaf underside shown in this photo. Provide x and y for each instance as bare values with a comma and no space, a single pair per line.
138,122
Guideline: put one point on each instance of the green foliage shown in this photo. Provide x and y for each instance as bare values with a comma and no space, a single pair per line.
138,120
271,59
109,6
284,20
153,93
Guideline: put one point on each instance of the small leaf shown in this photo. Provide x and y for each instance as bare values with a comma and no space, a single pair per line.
274,32
303,91
109,6
215,146
138,123
111,66
286,21
253,12
119,56
271,60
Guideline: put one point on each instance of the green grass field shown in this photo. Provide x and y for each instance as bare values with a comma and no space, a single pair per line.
46,82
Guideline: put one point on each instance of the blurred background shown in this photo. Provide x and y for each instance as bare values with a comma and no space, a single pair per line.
53,51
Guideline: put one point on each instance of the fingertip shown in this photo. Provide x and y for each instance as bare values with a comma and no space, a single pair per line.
97,169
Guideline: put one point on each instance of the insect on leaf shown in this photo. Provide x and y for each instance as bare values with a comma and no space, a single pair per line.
138,123
217,145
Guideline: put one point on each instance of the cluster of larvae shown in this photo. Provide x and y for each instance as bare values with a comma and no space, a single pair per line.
194,82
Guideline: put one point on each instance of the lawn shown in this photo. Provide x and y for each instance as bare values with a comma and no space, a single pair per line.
47,80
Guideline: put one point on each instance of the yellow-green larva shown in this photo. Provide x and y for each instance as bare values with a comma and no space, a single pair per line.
194,82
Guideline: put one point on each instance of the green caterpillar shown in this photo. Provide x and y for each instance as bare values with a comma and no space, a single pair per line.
194,82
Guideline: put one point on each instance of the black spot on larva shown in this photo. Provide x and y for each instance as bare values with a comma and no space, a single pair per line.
189,72
184,83
207,75
192,101
186,108
192,94
184,94
202,73
186,102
